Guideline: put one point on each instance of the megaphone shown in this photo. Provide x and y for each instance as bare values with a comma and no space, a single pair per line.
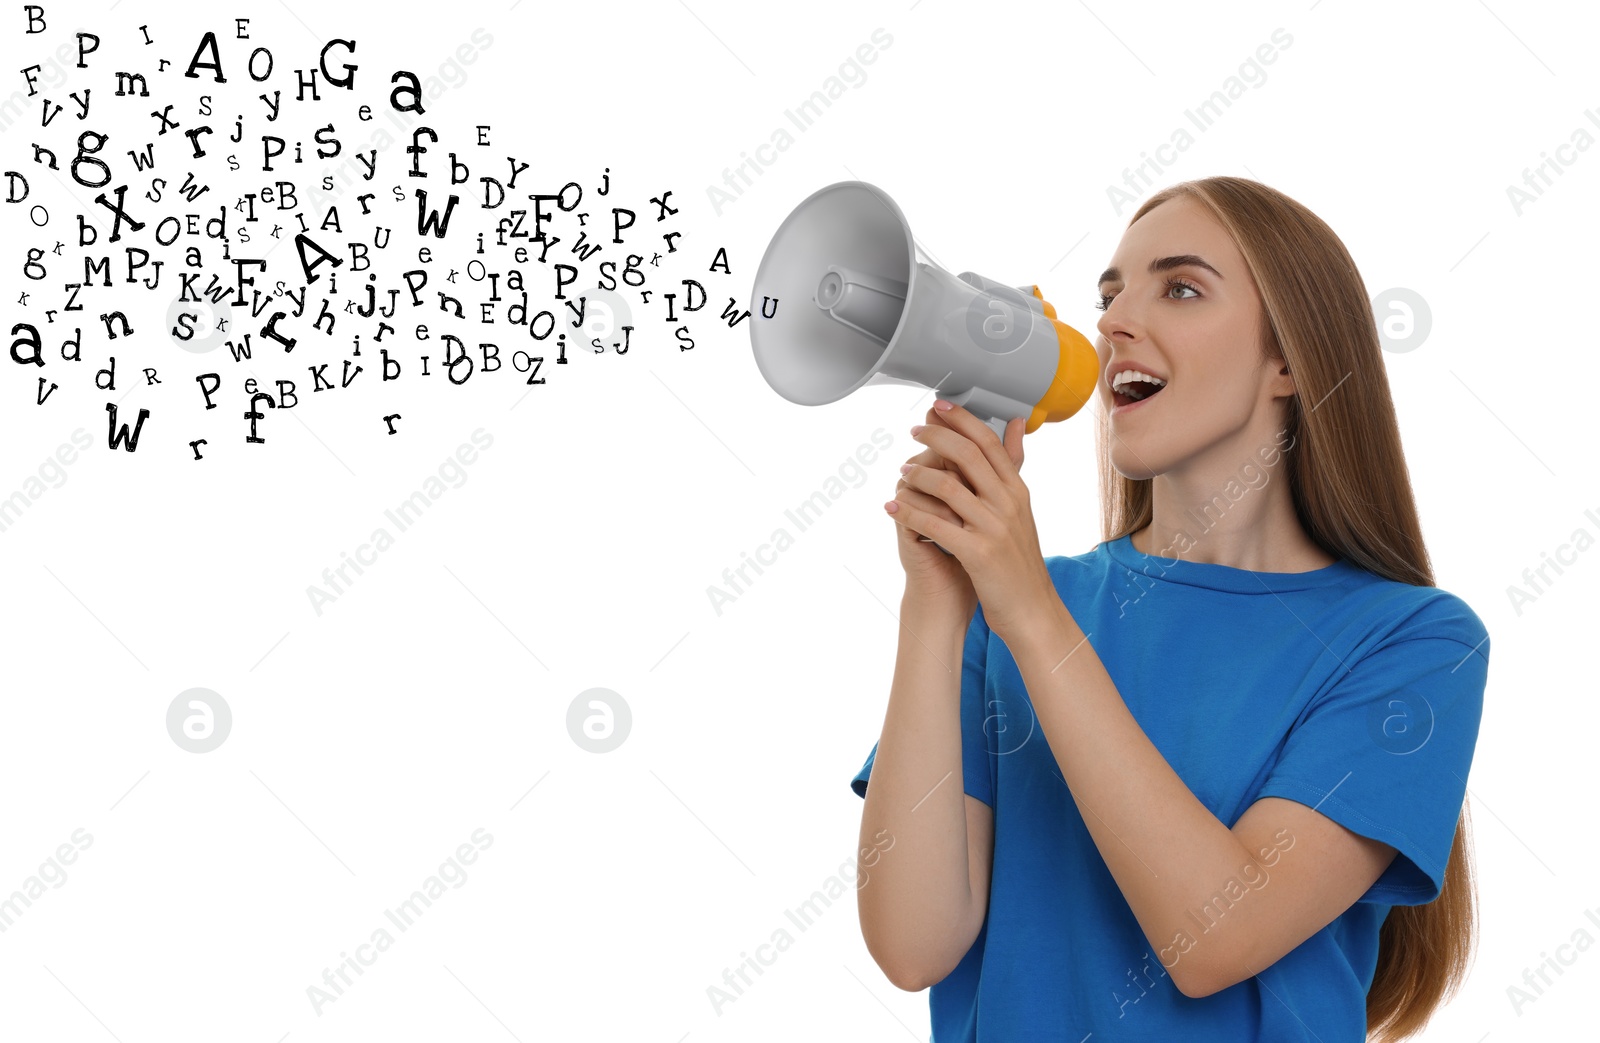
854,301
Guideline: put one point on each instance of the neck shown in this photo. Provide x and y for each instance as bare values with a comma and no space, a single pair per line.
1238,514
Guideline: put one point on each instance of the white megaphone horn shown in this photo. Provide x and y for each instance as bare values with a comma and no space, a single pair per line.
853,302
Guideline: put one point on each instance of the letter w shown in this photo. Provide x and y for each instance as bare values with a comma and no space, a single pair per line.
117,438
427,222
190,192
147,159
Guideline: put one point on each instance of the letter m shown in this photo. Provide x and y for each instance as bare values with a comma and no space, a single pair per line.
130,80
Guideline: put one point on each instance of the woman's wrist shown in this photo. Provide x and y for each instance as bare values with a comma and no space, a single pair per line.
934,610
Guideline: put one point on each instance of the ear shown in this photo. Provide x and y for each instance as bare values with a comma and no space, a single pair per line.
1283,384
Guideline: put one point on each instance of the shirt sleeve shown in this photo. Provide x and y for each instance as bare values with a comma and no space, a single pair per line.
1385,752
976,768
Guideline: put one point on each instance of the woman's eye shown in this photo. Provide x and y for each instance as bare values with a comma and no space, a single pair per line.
1104,300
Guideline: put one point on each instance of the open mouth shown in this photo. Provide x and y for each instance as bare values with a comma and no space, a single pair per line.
1131,391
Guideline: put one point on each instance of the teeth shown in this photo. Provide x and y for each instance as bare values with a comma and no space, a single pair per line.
1124,381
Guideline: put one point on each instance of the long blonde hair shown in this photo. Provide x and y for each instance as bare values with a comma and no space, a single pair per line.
1352,495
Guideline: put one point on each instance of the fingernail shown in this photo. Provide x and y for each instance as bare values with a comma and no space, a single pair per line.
905,468
941,405
916,428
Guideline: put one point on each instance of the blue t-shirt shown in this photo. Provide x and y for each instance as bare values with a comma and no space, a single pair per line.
1335,688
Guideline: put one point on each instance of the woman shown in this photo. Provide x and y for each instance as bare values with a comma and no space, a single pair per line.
1206,781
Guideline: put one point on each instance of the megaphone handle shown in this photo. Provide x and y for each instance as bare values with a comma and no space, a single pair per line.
998,426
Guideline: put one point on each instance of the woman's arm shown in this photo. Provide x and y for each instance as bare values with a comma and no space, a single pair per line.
926,894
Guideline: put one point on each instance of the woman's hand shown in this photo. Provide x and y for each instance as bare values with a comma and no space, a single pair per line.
965,494
931,574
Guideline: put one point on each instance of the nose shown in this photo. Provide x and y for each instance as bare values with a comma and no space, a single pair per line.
1117,319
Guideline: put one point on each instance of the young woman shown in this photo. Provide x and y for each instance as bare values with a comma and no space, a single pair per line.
1207,780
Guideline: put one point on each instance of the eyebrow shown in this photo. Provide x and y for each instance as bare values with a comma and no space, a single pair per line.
1162,264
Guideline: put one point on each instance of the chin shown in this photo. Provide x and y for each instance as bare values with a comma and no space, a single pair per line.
1133,463
1134,474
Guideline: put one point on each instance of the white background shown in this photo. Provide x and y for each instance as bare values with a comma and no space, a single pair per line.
430,699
